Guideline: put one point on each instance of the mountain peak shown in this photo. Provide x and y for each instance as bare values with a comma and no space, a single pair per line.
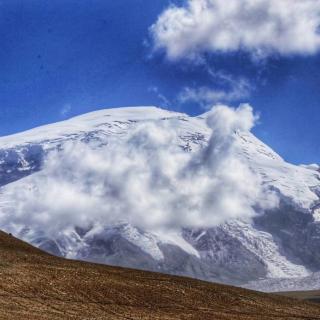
276,242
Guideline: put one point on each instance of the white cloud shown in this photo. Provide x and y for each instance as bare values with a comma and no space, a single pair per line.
260,27
144,178
162,98
65,110
234,89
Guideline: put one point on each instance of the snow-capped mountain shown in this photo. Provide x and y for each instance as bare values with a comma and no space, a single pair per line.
281,242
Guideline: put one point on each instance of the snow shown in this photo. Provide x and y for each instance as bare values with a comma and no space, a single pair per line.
145,241
115,119
293,182
267,249
174,237
313,166
308,283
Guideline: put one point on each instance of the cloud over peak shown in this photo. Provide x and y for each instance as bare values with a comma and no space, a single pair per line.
144,178
261,27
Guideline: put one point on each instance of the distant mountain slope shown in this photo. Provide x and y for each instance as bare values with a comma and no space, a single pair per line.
308,283
280,243
35,285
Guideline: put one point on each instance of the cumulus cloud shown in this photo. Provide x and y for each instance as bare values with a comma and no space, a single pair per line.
144,178
261,27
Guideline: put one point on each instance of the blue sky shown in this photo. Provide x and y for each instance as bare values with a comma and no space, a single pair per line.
66,57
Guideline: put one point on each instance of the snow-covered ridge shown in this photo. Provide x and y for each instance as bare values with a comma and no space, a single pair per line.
94,121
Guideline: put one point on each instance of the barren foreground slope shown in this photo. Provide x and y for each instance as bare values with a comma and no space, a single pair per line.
35,285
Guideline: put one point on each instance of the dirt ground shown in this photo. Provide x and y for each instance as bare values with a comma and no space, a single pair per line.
35,285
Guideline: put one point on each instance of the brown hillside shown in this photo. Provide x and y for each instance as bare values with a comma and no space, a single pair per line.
35,285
